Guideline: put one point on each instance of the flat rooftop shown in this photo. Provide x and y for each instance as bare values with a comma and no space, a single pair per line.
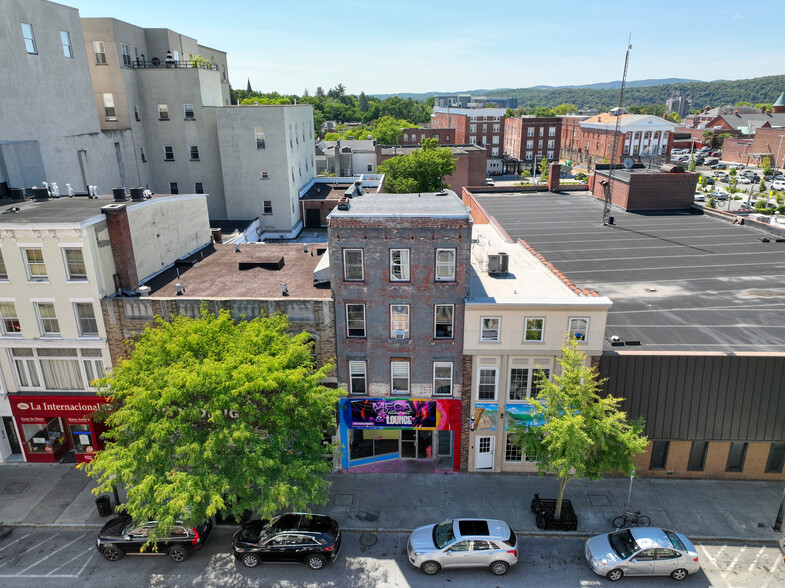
679,281
434,205
256,272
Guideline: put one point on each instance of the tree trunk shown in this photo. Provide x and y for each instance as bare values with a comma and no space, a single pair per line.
562,485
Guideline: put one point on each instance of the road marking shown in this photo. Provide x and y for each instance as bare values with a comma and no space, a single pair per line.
65,563
733,563
16,541
43,559
755,561
709,557
771,571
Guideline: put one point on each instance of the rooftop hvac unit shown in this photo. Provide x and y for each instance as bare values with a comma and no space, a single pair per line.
499,263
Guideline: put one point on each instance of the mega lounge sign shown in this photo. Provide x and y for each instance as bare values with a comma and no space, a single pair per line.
68,406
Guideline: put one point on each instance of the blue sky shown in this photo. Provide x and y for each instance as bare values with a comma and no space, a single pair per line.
390,46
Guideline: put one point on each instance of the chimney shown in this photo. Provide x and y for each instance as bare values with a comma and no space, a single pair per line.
121,244
736,112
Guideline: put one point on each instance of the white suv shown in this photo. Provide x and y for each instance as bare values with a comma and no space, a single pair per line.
778,185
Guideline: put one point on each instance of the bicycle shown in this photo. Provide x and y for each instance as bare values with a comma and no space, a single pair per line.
631,518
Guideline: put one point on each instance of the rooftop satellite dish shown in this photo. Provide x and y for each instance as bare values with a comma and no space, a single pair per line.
628,163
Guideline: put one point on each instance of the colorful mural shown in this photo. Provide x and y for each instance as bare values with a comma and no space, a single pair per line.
485,416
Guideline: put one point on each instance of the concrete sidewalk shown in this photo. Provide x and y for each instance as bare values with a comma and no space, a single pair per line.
59,495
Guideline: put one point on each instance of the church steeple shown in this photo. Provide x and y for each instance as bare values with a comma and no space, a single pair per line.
779,105
248,89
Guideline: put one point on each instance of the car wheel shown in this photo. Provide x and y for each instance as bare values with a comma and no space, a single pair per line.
251,560
112,553
615,575
679,574
315,562
499,568
430,568
177,554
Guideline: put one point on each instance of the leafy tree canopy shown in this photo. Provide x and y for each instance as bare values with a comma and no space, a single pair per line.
422,170
212,416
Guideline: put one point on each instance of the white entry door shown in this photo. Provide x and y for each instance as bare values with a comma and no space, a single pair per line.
484,457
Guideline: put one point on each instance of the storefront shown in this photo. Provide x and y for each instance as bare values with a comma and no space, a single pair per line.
375,430
55,427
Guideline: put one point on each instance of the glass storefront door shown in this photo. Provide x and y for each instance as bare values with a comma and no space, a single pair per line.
416,444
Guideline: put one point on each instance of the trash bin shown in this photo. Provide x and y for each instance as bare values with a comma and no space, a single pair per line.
104,505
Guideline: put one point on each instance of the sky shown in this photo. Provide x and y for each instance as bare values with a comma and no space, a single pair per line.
402,46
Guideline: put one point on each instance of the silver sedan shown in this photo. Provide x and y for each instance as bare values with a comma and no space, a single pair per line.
642,551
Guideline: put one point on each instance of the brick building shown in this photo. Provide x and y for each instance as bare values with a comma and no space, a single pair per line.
767,142
478,126
643,189
400,272
530,139
414,136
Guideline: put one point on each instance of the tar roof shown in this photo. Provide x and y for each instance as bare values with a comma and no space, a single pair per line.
440,205
679,282
56,211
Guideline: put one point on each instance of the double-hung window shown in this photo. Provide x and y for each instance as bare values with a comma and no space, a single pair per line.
399,321
188,112
445,265
267,207
174,188
109,109
486,383
47,319
442,378
357,378
259,133
65,40
579,328
100,53
163,112
3,270
399,265
530,132
443,321
168,153
36,268
353,265
355,320
29,36
125,50
490,327
399,376
75,266
85,319
198,188
194,151
533,329
10,320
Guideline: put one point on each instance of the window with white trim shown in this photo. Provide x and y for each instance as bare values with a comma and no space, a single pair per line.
198,188
494,152
486,383
74,265
526,383
495,140
443,321
442,378
168,153
3,270
65,41
490,328
29,36
9,319
126,52
47,318
109,110
357,378
472,128
355,320
194,152
188,112
579,328
496,128
85,319
533,329
174,188
353,265
512,451
529,156
259,134
399,265
551,143
399,376
163,112
100,53
549,155
34,262
530,132
473,140
399,321
267,207
445,265
529,144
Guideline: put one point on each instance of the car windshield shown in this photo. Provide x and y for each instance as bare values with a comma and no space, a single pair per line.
443,534
623,544
675,541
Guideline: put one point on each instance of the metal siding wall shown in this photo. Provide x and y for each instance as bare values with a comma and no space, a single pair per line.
775,412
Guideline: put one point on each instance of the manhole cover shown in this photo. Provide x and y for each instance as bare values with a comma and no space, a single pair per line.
343,499
368,539
15,487
599,500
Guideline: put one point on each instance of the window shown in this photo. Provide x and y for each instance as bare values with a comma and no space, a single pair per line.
136,55
27,33
174,188
697,459
357,378
264,176
10,321
168,153
36,269
659,455
549,155
442,378
47,318
26,369
126,54
526,383
3,270
353,264
551,131
776,458
194,150
74,263
188,112
542,131
399,265
355,320
405,137
109,110
512,451
530,132
142,155
539,144
259,132
447,138
579,328
529,144
486,383
551,144
445,265
736,456
538,376
399,321
399,374
370,167
65,40
85,319
473,140
267,207
490,328
100,53
472,128
137,117
529,156
495,152
495,140
443,321
198,188
533,329
163,112
495,128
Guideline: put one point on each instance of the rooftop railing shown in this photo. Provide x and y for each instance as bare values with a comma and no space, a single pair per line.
156,63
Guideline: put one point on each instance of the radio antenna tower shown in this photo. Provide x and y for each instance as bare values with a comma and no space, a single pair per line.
607,184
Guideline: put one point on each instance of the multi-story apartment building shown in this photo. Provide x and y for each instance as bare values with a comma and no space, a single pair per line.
415,136
531,139
482,126
400,275
58,259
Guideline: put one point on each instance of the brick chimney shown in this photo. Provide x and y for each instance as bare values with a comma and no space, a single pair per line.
122,246
554,171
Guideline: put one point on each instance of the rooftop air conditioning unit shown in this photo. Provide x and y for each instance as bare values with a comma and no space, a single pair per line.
499,263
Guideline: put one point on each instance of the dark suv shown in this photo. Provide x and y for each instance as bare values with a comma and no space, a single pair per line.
289,538
121,536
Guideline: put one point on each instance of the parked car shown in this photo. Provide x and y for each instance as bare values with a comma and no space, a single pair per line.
718,173
122,536
458,543
725,179
779,177
718,195
743,180
709,180
295,537
745,206
720,166
489,182
711,161
699,197
642,551
678,151
736,165
699,160
778,185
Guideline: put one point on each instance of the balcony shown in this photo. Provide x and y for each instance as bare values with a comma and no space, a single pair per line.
156,63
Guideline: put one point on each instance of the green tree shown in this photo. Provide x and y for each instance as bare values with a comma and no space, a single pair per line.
765,165
674,117
215,416
509,113
711,202
583,434
389,131
543,168
422,170
332,136
703,182
762,186
563,109
692,163
363,102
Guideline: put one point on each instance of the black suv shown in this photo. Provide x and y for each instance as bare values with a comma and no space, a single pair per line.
121,536
289,538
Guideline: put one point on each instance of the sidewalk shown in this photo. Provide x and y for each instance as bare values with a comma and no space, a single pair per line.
59,495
